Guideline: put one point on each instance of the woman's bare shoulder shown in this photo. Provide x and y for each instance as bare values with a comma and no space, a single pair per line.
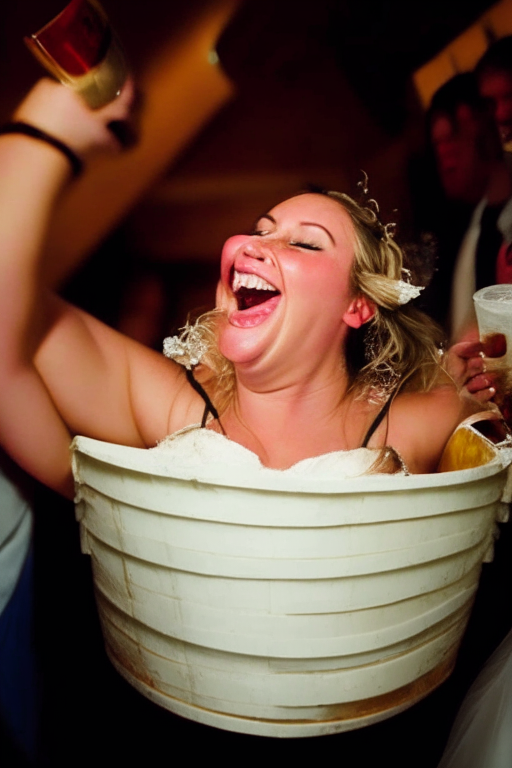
421,424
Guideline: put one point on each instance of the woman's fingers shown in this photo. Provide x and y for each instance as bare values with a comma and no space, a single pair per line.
467,349
120,107
474,366
116,116
463,361
484,395
61,112
480,382
467,363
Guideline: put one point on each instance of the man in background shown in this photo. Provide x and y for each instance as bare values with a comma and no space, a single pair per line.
494,75
476,185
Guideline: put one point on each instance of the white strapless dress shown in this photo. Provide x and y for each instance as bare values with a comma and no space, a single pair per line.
195,447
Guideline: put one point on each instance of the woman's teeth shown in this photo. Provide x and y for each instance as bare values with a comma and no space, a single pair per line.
247,280
251,290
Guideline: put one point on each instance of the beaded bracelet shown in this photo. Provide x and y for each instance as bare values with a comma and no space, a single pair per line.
76,163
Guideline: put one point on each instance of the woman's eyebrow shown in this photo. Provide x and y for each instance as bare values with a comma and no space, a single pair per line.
314,224
302,223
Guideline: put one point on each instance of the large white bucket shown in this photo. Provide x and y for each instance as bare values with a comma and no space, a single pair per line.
278,610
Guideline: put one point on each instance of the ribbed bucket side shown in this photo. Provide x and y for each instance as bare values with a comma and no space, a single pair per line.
285,614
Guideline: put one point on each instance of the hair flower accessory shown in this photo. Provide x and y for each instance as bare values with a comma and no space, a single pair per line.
406,290
189,347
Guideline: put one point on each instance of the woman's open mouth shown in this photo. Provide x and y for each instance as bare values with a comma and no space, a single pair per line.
256,298
251,290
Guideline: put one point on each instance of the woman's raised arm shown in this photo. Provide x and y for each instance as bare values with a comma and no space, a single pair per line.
61,371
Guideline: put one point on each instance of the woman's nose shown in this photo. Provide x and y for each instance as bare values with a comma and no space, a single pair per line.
254,250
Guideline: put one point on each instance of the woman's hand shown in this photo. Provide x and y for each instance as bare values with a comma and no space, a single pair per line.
466,363
60,112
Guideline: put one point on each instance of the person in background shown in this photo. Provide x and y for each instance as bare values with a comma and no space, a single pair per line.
473,174
494,75
481,736
18,677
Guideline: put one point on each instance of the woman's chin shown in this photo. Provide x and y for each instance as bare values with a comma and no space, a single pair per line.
242,345
245,335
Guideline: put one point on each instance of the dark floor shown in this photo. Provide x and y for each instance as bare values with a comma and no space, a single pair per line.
91,718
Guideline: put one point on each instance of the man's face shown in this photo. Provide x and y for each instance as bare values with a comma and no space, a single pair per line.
463,173
497,88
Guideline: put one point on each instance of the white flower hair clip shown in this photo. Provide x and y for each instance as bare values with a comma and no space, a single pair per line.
188,348
406,290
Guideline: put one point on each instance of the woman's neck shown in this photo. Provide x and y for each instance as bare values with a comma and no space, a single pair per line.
296,422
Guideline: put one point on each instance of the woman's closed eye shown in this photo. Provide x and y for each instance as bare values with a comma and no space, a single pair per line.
295,243
307,246
259,232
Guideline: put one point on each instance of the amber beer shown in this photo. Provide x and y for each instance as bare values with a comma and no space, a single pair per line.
80,49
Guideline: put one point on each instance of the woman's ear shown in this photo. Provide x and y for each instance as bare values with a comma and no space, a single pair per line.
360,311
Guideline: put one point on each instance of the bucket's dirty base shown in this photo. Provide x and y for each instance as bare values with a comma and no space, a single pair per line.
403,699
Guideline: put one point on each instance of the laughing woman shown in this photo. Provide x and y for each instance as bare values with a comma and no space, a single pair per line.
313,350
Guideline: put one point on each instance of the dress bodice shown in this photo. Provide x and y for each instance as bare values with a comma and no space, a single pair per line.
195,446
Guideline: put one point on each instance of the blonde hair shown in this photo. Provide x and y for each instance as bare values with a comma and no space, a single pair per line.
399,346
